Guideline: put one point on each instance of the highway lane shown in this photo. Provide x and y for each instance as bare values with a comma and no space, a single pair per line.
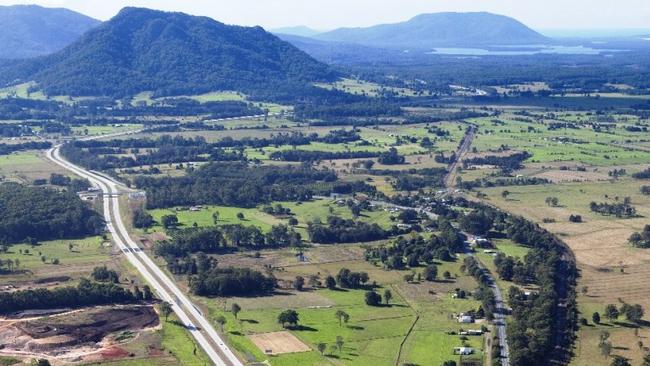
188,313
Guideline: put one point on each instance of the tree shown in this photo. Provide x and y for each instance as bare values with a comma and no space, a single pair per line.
611,312
505,194
235,309
633,313
321,348
299,283
137,293
330,283
453,363
388,295
142,219
169,221
289,317
476,222
595,317
293,221
342,316
431,272
166,309
605,349
41,362
147,295
552,201
314,281
409,277
620,361
221,320
339,343
240,215
215,217
372,298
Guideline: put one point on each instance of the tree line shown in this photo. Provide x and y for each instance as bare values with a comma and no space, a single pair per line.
215,281
416,251
339,230
86,293
236,184
621,209
6,149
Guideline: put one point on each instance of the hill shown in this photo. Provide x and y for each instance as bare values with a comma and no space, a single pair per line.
170,54
299,30
428,31
30,30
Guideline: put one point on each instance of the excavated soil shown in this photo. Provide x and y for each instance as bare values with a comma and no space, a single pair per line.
54,335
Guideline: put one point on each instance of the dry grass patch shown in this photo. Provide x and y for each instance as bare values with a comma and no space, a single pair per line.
277,343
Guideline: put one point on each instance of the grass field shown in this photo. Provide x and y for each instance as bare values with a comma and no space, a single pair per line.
76,262
26,166
362,87
611,270
104,130
571,145
373,334
304,212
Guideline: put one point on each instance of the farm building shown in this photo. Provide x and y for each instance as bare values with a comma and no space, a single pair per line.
463,351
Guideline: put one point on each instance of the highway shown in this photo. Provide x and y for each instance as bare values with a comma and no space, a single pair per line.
198,326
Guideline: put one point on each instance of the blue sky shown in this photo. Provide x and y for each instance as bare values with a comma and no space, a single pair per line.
328,14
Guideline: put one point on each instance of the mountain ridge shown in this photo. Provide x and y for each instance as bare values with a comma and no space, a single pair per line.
32,30
169,53
449,29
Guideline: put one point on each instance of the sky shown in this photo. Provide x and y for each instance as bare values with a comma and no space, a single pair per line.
330,14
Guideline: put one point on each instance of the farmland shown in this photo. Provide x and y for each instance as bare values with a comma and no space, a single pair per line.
372,335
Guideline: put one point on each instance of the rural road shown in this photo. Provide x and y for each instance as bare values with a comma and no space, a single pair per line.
198,326
452,169
500,313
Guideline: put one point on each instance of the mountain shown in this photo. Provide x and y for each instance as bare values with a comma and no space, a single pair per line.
299,30
30,30
428,31
169,54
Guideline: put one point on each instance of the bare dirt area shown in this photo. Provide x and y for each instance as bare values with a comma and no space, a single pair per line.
278,343
75,335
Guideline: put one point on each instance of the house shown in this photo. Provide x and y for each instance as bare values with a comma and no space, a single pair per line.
463,318
481,242
463,351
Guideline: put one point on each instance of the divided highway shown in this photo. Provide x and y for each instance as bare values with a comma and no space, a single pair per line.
187,312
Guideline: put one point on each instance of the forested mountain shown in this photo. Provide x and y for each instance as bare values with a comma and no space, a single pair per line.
170,54
30,30
428,31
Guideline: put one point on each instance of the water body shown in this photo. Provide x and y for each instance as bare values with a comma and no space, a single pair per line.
522,50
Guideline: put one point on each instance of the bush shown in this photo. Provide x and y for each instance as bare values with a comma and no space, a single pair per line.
431,272
373,298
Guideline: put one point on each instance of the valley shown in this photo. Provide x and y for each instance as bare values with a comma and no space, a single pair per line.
181,191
